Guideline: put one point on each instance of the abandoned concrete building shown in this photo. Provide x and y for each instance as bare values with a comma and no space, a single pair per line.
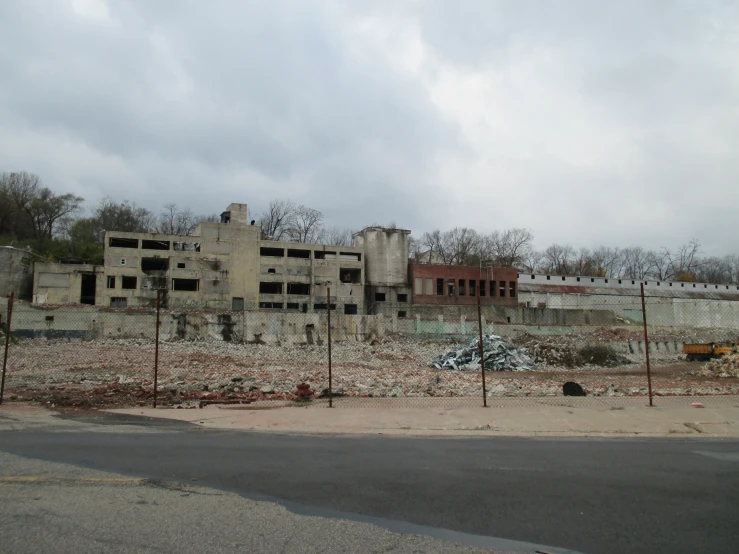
228,265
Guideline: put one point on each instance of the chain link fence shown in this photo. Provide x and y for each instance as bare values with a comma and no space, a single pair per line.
540,351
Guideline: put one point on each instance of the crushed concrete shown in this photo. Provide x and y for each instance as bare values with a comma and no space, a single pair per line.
497,355
726,366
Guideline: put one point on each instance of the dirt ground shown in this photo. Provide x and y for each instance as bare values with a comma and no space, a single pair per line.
120,372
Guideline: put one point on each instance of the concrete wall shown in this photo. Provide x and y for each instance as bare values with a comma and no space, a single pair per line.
90,322
626,284
662,311
16,272
62,283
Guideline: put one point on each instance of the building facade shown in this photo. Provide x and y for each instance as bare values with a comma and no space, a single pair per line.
228,265
444,285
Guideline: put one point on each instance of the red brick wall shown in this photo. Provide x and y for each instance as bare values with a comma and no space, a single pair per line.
466,273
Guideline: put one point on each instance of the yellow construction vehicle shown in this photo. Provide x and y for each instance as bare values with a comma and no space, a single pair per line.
707,351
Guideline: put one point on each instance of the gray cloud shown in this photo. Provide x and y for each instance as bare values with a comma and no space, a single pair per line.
364,111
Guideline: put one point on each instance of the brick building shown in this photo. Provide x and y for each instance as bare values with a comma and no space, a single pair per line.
444,285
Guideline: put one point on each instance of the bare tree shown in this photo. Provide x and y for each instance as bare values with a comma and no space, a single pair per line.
336,236
435,247
306,225
509,248
683,262
558,259
277,219
175,221
636,263
659,266
462,245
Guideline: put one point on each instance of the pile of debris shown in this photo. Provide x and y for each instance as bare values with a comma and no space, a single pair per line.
498,356
726,366
559,351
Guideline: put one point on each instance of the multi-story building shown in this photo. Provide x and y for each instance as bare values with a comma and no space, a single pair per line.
228,265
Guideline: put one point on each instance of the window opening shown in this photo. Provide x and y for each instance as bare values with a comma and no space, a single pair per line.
128,282
120,242
270,288
191,285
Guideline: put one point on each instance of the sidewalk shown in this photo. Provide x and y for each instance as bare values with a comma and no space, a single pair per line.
671,417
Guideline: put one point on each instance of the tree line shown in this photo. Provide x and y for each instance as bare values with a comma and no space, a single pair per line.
514,248
54,226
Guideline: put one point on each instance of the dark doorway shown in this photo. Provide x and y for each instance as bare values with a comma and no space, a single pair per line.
87,289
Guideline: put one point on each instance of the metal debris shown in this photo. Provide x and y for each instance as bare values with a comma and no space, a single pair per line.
498,357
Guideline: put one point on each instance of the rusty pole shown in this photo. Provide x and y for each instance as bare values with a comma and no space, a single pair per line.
7,343
156,350
646,343
330,387
482,349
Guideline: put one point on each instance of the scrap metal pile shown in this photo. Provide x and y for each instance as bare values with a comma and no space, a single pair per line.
498,357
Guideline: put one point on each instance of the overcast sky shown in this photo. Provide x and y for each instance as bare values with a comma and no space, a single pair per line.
589,122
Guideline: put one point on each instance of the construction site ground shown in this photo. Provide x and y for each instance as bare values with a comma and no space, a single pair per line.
120,372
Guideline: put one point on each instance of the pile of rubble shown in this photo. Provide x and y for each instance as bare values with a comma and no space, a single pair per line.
726,366
559,351
497,355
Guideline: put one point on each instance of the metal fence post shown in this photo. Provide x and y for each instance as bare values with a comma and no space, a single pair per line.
646,343
330,387
156,349
7,343
482,349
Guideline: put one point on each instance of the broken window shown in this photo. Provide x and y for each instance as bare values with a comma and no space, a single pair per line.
237,304
502,289
271,305
440,287
191,285
110,282
417,285
402,298
401,314
350,256
323,255
271,270
512,289
323,307
450,287
298,288
293,306
350,309
186,246
180,265
116,302
154,264
429,286
298,253
379,297
482,288
461,287
119,242
493,290
350,275
473,287
128,282
270,288
273,252
155,244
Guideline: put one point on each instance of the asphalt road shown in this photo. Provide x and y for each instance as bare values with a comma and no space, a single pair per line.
589,495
